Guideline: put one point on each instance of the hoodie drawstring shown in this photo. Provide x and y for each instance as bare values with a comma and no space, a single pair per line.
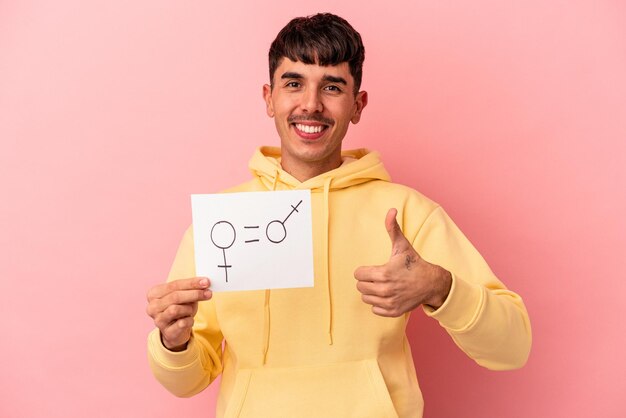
327,182
266,304
266,325
275,180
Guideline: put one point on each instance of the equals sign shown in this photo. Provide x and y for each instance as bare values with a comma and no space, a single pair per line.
251,227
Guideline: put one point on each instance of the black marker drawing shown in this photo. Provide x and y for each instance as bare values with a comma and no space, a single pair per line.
278,230
223,235
252,227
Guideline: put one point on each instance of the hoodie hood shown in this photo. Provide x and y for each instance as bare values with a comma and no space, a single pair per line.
359,166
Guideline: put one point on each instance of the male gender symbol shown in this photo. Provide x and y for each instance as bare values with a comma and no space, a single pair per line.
276,231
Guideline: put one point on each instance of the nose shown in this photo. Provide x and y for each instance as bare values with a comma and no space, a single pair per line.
311,101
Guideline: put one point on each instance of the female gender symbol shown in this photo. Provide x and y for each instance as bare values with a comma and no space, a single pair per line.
223,236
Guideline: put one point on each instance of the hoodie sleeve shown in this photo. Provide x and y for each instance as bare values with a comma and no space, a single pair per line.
485,319
188,372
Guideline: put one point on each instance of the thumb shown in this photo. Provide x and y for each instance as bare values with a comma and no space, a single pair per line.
399,243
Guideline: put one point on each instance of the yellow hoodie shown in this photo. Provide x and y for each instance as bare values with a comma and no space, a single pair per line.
321,352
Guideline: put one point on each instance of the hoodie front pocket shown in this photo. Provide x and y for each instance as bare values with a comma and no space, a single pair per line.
349,389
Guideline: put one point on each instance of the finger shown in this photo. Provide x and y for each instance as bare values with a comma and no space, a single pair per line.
178,332
369,288
173,313
370,273
399,242
157,306
163,289
374,300
388,313
380,290
382,306
182,284
182,297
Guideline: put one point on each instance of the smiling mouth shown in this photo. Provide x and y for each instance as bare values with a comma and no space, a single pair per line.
310,129
310,133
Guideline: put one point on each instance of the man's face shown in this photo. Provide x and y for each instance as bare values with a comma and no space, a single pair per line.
312,107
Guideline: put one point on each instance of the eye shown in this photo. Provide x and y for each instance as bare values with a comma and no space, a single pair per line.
332,88
292,84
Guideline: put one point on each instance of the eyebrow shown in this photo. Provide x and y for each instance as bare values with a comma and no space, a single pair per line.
329,78
291,75
333,79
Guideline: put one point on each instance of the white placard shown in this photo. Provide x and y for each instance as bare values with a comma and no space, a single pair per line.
253,240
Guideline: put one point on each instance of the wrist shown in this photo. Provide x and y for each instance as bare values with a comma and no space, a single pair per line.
442,283
174,348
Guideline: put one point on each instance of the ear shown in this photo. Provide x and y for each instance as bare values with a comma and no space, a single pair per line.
267,96
360,102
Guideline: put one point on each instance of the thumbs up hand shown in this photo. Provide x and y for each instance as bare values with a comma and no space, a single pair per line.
405,281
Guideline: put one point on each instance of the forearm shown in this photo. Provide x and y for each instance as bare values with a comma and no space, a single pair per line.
490,326
183,373
485,319
188,372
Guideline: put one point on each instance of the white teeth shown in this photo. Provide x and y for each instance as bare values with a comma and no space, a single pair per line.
309,129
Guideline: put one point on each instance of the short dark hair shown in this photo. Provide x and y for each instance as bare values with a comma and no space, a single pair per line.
323,39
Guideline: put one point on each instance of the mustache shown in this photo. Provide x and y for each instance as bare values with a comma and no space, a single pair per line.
310,118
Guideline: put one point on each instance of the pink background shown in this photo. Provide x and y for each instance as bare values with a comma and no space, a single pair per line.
513,117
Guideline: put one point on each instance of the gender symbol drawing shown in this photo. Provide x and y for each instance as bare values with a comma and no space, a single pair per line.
278,230
223,235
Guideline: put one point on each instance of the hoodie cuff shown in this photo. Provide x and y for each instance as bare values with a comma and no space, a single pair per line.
171,359
461,308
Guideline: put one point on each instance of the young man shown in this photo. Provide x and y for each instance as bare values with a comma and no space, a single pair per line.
338,349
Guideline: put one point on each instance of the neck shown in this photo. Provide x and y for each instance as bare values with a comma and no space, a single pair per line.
305,171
